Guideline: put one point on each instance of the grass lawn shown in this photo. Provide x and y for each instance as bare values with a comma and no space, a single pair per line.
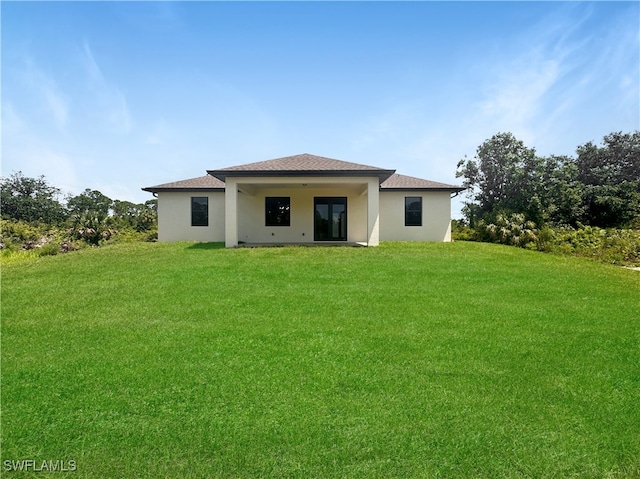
406,360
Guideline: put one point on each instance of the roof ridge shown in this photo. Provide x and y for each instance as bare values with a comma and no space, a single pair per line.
300,162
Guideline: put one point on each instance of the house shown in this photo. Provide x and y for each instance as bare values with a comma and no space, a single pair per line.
304,199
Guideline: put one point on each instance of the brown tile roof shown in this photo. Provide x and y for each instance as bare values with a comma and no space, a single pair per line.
403,182
301,165
200,183
303,162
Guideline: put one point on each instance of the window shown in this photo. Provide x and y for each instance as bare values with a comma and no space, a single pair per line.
277,211
413,211
199,211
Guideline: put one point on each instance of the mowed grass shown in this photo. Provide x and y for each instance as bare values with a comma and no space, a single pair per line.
406,360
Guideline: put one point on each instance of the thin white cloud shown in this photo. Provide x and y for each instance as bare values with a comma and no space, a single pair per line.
45,88
112,103
517,98
519,89
540,87
153,140
12,123
58,106
615,64
158,133
561,74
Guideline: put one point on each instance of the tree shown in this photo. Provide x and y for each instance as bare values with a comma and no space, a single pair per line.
89,201
624,151
562,191
141,217
601,187
30,199
610,175
91,227
503,176
617,161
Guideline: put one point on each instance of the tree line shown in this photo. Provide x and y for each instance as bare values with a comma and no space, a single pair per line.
583,205
34,212
598,187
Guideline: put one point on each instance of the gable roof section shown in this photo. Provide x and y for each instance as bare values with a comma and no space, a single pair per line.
403,182
201,183
302,165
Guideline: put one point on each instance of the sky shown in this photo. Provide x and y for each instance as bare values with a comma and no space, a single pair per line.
116,96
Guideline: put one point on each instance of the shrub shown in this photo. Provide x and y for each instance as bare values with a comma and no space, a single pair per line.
91,227
613,246
621,247
510,230
546,239
129,235
21,231
460,231
49,249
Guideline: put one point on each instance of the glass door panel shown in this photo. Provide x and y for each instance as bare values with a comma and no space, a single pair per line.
330,219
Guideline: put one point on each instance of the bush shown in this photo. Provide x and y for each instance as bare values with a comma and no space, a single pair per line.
613,246
129,235
49,249
546,239
91,227
510,230
21,231
460,231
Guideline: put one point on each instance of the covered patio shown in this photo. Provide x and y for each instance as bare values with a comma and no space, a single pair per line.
319,210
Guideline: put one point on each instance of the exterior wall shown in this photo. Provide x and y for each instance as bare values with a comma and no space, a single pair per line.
436,216
174,217
174,213
251,214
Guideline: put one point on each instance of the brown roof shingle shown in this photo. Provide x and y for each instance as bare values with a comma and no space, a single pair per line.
301,165
403,182
303,162
200,183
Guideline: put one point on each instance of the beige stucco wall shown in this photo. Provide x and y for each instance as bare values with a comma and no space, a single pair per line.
174,217
251,214
174,214
436,216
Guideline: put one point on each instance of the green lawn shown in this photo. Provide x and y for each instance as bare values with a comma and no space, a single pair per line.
406,360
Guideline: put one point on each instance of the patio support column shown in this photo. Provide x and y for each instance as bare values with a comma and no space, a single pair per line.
231,213
373,212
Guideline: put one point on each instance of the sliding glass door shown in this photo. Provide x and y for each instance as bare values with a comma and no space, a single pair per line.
330,218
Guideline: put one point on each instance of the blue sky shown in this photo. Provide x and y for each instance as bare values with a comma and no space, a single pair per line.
115,96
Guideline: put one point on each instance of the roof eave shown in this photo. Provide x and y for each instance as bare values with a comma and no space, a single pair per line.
383,175
152,189
426,188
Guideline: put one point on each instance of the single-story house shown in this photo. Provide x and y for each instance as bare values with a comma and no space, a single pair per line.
304,199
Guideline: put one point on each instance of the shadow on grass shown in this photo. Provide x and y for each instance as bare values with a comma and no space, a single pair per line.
206,246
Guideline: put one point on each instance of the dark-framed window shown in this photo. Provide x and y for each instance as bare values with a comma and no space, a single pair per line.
413,211
277,211
199,211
